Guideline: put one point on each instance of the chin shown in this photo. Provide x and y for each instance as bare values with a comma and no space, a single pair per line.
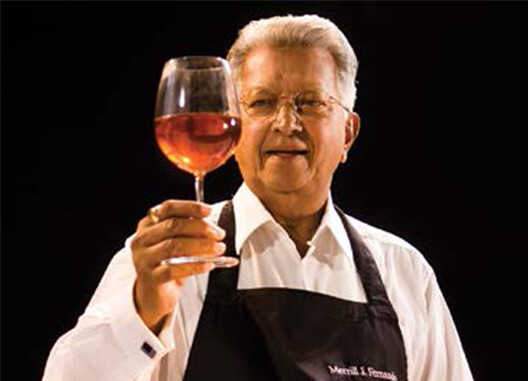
285,184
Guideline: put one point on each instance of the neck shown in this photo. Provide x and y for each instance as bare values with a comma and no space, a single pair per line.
300,218
301,230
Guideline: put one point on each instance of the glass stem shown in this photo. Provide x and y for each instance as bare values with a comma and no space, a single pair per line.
198,188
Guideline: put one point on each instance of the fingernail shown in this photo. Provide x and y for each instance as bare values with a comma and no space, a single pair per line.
219,247
218,233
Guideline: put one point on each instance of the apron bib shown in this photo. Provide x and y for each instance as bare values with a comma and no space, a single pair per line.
295,335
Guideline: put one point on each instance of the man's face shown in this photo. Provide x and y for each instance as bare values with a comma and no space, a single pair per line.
287,153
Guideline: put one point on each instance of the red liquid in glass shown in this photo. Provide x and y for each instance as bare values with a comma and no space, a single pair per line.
197,142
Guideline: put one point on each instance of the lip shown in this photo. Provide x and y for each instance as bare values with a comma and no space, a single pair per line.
285,149
286,152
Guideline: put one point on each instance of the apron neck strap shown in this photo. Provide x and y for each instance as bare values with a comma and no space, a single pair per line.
366,267
223,282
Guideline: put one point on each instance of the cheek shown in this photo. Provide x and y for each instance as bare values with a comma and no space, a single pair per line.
248,148
329,145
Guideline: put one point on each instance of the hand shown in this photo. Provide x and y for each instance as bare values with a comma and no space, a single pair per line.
173,228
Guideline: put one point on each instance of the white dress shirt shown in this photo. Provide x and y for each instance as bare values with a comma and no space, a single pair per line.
110,341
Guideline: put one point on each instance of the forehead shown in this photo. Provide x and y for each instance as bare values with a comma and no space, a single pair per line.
289,69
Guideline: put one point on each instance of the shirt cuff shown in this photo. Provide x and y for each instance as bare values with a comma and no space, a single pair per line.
142,347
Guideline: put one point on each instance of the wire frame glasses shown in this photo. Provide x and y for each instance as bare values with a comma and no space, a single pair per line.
266,104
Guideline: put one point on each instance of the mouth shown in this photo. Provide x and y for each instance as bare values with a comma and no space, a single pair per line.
286,153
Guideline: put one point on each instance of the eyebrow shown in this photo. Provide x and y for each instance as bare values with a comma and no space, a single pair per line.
257,89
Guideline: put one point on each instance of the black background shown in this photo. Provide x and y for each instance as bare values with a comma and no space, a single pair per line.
440,159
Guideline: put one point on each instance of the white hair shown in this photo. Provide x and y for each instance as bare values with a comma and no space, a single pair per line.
300,31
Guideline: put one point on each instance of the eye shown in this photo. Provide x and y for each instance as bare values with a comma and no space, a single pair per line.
261,103
310,103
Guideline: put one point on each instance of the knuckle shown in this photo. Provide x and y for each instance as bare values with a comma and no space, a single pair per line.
162,207
173,225
159,209
180,208
141,268
192,209
196,209
173,246
139,262
136,242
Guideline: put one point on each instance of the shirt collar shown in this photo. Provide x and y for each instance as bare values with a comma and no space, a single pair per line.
250,215
332,223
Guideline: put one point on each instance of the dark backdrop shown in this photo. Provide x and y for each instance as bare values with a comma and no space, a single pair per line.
440,159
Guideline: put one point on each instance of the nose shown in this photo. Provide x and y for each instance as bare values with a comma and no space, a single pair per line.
286,120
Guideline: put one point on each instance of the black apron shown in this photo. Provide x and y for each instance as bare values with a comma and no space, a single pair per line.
289,335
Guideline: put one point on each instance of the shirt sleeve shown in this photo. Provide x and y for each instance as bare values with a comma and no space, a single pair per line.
444,358
110,340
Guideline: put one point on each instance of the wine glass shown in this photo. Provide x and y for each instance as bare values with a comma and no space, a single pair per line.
197,124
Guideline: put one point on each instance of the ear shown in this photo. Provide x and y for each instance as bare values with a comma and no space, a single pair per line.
352,127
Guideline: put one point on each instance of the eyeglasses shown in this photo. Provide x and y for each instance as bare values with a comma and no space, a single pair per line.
265,104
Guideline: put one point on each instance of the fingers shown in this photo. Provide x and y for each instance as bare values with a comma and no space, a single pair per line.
178,227
175,228
178,247
174,209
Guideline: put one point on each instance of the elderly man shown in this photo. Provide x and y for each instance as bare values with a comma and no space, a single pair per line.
318,295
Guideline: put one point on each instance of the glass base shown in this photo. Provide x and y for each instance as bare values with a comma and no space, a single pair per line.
219,262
